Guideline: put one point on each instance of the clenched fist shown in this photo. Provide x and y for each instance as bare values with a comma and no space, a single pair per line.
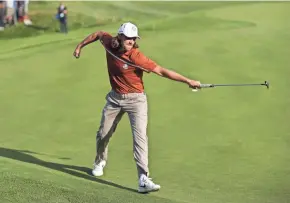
194,84
77,52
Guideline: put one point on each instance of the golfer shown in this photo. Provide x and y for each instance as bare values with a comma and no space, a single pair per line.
127,96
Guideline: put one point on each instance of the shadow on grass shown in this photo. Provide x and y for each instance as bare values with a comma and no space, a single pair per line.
38,27
25,156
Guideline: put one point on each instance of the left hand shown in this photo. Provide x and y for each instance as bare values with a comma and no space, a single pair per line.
77,52
194,84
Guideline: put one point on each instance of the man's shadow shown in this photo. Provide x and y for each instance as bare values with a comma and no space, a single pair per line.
25,156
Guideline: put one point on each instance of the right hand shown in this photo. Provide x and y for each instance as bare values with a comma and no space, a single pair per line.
77,52
194,84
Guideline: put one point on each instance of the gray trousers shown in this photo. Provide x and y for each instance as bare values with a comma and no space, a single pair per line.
135,105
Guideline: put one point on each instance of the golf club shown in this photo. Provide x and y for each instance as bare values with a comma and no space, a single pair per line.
201,86
266,83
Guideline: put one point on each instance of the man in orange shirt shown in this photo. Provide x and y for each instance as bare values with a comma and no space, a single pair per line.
126,64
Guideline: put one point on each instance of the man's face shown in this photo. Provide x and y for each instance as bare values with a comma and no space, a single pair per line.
127,43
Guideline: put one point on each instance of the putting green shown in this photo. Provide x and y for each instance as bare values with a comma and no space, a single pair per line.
226,144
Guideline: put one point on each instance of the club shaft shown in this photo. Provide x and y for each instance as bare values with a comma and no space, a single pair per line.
226,85
217,85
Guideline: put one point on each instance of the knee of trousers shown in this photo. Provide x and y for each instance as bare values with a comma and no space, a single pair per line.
102,133
106,131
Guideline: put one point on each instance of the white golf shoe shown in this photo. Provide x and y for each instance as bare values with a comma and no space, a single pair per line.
147,185
98,169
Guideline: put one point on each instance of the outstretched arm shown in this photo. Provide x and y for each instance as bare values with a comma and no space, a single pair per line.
175,76
89,39
141,60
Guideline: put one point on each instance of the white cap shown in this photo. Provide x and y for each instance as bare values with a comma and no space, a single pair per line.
129,30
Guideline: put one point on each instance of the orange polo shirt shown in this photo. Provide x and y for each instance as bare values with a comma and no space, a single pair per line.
124,78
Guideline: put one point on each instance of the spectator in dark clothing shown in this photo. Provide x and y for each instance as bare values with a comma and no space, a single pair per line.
2,14
62,17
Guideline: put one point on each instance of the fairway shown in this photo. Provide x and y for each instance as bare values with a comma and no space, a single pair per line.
217,145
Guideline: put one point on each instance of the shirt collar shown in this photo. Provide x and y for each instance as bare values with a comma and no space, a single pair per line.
129,52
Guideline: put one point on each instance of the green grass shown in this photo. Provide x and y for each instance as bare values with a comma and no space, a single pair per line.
222,145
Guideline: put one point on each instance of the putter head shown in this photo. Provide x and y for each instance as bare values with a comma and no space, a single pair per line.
267,84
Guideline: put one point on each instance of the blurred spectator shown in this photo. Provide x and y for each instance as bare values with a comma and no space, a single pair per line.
10,15
26,18
62,17
2,14
22,12
13,11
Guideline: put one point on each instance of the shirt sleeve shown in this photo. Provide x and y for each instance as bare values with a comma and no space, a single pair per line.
106,38
143,61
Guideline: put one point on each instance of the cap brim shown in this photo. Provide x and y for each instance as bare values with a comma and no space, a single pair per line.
134,36
129,36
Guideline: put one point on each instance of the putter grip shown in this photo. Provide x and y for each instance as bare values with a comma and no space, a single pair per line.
206,85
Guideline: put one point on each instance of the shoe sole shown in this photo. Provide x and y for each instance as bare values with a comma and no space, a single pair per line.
97,175
143,190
